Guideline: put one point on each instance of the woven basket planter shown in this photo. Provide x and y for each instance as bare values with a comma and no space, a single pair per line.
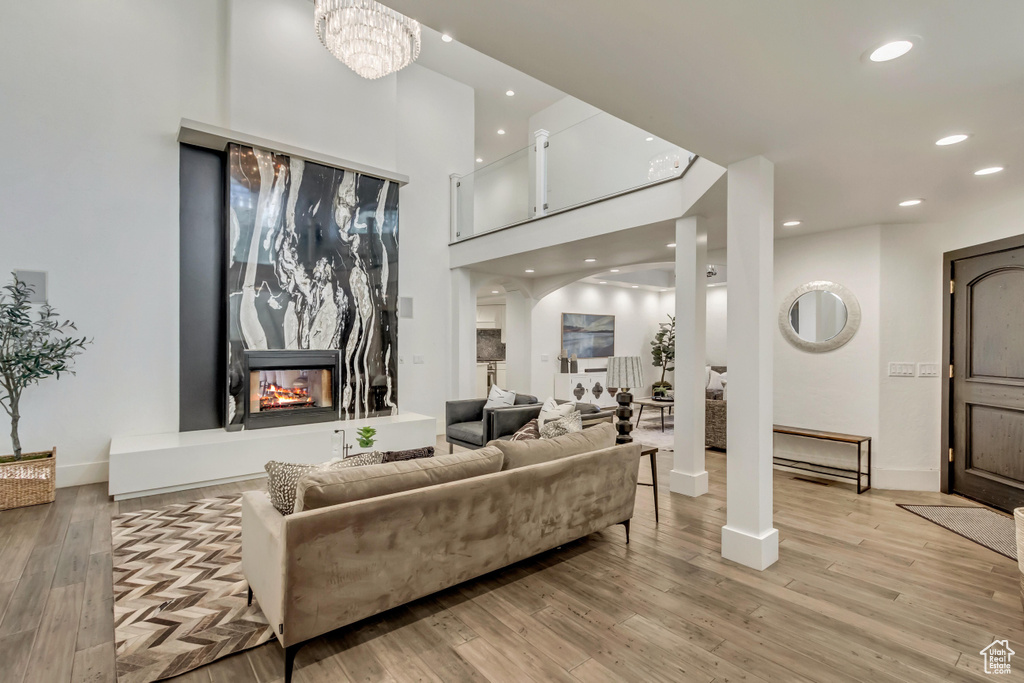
28,482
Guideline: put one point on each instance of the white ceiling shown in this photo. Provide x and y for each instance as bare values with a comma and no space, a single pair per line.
490,79
730,79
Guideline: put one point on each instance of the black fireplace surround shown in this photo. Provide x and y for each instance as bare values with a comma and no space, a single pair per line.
311,395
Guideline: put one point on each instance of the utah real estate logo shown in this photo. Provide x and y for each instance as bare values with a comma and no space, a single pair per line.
997,657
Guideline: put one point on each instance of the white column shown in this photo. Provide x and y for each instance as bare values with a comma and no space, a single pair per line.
748,536
518,340
688,474
540,173
463,348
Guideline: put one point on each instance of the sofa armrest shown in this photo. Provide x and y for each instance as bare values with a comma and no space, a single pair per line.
465,410
263,554
508,420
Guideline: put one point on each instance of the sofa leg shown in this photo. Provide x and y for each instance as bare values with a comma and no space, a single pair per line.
289,661
626,524
250,596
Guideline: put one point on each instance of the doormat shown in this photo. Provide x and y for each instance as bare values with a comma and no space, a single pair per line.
979,524
179,593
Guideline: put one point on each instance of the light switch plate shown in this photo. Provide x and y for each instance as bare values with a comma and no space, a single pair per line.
927,369
544,358
901,369
417,359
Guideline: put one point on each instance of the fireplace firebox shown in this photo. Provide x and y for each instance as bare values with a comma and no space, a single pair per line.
290,387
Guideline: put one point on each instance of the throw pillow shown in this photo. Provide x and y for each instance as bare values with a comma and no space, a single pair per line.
372,458
528,432
562,426
411,454
283,477
552,410
715,382
499,398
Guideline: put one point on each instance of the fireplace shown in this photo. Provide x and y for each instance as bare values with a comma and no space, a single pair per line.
290,387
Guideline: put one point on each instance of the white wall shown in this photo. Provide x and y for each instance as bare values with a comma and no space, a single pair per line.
716,352
93,101
839,390
637,314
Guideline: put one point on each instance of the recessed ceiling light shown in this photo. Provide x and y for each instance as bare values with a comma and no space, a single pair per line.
635,286
791,224
602,282
446,38
951,139
896,48
510,93
529,270
589,260
501,131
479,160
494,291
671,245
614,270
649,139
911,202
664,290
989,171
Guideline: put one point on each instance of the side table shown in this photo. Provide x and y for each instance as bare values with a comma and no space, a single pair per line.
652,451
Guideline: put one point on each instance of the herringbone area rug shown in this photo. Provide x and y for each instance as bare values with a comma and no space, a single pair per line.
179,593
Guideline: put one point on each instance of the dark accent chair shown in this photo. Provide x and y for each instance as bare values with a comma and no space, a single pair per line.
467,424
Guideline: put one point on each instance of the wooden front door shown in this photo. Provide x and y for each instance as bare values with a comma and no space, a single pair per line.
987,351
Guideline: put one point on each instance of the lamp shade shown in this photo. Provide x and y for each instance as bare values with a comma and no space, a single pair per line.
625,372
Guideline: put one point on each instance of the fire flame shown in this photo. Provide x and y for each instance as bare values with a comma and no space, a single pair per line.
279,397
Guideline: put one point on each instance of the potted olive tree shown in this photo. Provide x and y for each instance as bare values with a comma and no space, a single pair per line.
663,350
34,345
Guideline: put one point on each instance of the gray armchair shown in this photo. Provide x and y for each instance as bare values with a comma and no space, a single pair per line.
469,425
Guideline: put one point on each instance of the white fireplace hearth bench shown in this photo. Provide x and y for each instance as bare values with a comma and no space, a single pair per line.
161,463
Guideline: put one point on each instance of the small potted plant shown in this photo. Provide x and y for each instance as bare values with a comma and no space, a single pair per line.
32,348
365,436
664,353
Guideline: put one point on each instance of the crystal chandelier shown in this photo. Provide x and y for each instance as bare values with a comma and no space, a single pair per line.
369,38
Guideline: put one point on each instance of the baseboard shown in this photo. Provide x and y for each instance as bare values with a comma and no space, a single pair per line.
905,480
756,552
692,485
85,473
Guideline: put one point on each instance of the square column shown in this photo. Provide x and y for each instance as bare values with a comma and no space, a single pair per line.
748,536
688,475
463,335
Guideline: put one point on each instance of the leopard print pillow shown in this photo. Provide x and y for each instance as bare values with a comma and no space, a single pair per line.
283,477
563,425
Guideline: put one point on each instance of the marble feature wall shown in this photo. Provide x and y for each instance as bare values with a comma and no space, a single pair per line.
313,264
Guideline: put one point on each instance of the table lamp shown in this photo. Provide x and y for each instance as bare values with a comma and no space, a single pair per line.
624,373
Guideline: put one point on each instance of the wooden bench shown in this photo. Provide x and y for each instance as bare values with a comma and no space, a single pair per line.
840,472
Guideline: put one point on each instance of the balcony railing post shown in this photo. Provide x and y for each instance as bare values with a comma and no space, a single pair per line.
455,179
540,174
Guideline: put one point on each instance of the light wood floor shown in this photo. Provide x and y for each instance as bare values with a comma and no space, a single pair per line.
863,591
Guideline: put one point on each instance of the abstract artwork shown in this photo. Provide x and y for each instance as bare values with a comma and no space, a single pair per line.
313,264
588,336
489,346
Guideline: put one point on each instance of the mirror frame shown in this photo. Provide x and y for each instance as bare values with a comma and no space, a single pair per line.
853,317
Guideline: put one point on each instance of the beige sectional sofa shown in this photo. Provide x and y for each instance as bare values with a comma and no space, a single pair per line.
366,539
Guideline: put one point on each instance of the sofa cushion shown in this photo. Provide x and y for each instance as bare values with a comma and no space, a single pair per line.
321,489
470,432
523,453
411,454
283,477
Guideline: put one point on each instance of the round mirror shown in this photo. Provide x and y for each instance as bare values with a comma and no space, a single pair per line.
819,316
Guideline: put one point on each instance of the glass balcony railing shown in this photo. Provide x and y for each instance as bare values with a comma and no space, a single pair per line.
596,158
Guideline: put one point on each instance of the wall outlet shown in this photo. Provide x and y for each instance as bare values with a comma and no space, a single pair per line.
927,369
417,359
901,369
544,358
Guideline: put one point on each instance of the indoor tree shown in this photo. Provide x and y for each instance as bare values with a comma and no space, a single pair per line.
32,348
663,349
